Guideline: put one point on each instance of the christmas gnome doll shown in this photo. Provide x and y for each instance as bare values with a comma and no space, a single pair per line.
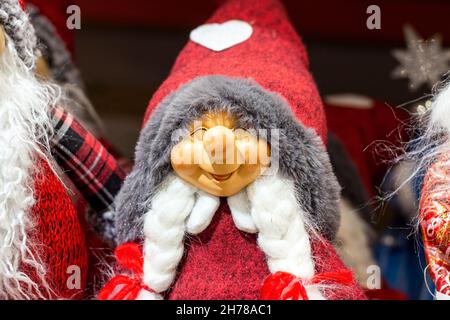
232,195
432,154
43,252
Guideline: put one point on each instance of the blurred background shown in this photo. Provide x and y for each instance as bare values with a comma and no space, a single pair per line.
125,49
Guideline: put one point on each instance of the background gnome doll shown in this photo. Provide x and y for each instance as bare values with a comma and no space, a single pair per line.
41,238
56,63
432,154
231,160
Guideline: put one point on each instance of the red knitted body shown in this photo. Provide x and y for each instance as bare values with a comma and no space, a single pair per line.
59,234
274,56
225,263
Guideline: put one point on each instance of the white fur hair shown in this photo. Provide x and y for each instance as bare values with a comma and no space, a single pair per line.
432,142
268,206
440,110
24,130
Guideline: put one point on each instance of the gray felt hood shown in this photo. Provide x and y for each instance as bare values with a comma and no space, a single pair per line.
302,155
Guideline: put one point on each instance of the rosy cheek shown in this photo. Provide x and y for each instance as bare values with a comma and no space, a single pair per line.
187,155
182,155
263,153
253,151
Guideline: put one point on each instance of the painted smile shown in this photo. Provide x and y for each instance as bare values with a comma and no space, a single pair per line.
222,177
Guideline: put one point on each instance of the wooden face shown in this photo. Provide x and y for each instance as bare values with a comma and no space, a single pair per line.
218,157
42,68
2,40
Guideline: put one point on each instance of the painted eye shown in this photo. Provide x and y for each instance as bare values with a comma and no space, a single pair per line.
240,132
199,132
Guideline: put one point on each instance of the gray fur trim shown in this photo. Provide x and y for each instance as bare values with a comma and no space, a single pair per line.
303,157
54,50
19,30
102,224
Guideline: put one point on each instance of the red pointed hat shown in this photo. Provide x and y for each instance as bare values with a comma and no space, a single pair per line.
274,56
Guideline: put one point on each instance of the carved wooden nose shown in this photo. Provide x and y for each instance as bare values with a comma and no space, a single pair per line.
219,142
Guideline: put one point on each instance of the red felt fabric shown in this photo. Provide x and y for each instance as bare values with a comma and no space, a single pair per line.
59,234
274,57
225,263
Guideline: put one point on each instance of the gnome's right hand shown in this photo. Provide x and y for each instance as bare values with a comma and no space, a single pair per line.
128,286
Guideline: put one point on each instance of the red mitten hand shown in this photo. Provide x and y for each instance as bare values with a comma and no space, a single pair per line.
286,286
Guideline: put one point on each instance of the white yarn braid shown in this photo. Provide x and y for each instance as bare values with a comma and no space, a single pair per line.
268,206
202,213
281,225
240,211
177,208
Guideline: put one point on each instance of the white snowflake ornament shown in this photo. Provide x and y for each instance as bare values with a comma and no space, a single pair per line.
423,61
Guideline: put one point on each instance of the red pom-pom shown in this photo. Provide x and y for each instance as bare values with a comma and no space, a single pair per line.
286,286
129,256
126,287
283,286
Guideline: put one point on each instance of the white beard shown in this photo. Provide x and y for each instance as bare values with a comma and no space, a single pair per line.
267,206
24,130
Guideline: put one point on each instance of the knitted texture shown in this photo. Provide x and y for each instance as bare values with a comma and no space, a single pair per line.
19,29
274,57
225,263
59,235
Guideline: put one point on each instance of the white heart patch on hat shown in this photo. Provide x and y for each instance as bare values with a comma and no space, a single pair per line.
221,36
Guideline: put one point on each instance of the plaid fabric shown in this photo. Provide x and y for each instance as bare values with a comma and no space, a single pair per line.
92,169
